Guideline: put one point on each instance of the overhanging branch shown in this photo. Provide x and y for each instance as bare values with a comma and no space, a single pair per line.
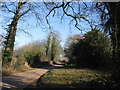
8,9
54,13
24,13
75,16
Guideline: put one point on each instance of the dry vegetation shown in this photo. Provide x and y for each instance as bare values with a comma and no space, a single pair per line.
9,71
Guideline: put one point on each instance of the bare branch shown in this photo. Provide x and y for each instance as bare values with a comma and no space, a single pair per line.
24,13
51,12
85,4
25,32
100,8
8,9
76,25
62,17
65,8
75,17
36,15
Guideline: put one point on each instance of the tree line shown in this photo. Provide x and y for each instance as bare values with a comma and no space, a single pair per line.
39,52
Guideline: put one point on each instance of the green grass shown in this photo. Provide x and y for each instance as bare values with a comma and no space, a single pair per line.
75,78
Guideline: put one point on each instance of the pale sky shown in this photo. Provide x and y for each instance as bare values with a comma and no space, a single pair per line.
38,33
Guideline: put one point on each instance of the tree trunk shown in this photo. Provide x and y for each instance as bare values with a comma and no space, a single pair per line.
115,37
117,28
10,39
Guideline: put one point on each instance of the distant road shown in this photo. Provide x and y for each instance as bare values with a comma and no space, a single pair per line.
24,79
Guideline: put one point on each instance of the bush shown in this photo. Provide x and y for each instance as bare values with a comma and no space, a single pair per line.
32,53
93,50
13,67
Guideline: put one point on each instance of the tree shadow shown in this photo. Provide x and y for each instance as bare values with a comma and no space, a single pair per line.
11,82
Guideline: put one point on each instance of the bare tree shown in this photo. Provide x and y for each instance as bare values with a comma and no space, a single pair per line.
77,11
21,10
18,11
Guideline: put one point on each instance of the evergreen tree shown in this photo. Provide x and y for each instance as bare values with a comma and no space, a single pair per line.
94,50
98,49
48,46
53,49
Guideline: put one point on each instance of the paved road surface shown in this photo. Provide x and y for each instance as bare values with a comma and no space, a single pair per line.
24,79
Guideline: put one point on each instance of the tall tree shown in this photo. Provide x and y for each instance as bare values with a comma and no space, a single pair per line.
17,11
72,47
10,38
48,45
114,26
111,20
93,50
99,48
53,48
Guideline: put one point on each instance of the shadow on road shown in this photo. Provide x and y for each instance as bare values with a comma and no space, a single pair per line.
22,80
14,82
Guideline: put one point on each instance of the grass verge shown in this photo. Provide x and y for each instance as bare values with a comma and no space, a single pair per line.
75,78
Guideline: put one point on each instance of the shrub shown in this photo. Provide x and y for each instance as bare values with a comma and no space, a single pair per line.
93,50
